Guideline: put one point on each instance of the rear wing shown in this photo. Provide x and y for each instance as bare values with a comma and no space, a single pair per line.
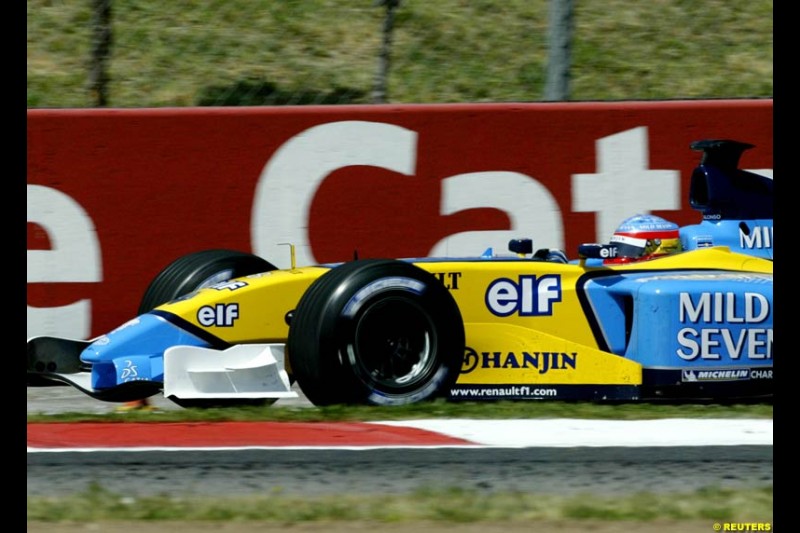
720,190
737,205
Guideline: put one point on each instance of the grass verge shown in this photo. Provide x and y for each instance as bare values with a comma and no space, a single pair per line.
452,505
436,409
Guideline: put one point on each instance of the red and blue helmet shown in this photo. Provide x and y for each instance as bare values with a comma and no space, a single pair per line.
643,237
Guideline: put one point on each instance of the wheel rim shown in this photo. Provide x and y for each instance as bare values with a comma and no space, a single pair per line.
393,344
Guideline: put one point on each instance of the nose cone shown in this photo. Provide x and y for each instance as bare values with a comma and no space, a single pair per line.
134,351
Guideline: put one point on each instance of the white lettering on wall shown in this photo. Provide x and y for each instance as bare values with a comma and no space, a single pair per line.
623,185
290,179
530,206
74,257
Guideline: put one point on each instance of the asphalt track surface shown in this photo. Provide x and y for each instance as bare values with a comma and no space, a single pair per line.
548,456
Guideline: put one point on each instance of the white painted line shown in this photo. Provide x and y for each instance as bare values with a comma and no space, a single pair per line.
564,432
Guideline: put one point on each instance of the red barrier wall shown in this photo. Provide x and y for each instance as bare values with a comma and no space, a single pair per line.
114,195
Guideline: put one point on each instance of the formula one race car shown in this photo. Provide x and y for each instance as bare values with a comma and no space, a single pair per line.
659,312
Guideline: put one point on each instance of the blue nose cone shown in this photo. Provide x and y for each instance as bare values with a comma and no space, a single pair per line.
135,351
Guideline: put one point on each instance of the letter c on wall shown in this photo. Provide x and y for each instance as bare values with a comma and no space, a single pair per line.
290,179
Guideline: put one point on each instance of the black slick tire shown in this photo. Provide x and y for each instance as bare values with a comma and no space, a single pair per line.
376,332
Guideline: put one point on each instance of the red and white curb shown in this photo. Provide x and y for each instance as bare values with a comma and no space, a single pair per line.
426,433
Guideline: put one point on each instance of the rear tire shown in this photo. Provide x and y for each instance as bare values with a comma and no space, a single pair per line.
376,332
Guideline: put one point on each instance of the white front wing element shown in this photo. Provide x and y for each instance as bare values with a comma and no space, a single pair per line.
240,372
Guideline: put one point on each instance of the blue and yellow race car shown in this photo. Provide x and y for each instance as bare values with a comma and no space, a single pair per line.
658,312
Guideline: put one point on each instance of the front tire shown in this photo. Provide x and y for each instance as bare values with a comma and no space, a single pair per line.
377,332
196,271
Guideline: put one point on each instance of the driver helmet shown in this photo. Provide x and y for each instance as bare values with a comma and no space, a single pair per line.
643,237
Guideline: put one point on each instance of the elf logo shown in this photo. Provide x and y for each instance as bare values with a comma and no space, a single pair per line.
529,296
219,315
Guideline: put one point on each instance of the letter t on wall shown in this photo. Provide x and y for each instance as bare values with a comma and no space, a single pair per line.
623,186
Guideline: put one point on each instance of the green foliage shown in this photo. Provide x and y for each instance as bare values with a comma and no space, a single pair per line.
254,93
323,51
